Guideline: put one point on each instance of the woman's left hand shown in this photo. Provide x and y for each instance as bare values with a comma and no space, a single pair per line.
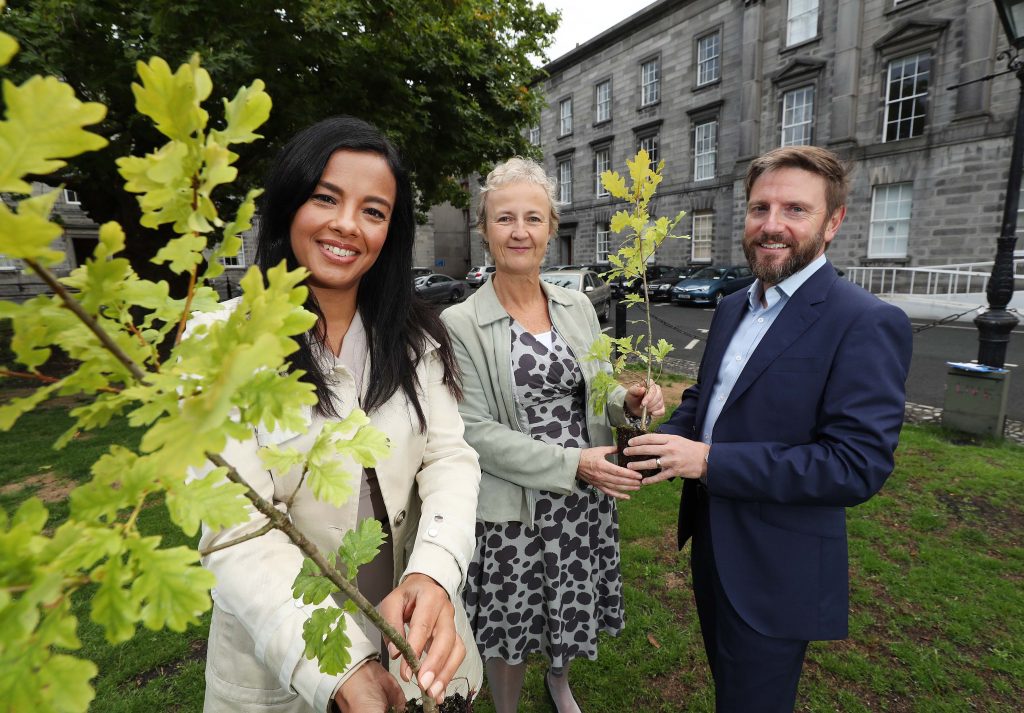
422,605
638,396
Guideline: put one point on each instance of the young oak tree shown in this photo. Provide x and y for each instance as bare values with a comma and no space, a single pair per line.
452,83
642,240
219,382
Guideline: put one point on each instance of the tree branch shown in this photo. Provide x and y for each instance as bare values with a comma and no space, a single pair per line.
188,303
237,541
72,304
281,522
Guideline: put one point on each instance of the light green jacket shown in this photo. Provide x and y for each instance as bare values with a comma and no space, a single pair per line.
515,466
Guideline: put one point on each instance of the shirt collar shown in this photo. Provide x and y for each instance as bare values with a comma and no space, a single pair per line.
786,288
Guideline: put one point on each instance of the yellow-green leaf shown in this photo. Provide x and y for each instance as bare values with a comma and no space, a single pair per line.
43,124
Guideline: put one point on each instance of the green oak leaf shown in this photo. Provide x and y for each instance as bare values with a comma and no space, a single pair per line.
173,101
113,606
249,110
327,641
212,499
310,585
360,545
182,253
28,234
615,184
43,124
173,589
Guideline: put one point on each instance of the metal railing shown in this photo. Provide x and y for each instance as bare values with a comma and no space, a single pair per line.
933,280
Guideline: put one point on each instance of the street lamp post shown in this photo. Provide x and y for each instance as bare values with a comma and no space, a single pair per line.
996,323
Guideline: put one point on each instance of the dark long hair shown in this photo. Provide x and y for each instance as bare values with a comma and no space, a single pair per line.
398,323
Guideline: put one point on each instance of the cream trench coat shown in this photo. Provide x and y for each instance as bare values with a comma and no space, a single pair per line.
429,483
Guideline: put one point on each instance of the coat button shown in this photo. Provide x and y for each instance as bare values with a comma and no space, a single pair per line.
399,518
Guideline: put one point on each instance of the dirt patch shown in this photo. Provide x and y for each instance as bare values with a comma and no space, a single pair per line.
196,652
48,487
982,513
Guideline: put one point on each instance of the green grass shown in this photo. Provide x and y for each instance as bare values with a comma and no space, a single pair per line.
937,593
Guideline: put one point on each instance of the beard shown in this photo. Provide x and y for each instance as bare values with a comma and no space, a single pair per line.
772,271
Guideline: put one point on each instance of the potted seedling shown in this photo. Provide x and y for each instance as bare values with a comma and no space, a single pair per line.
643,236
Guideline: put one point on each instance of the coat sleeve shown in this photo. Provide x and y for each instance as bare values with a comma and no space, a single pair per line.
448,484
254,584
859,417
504,452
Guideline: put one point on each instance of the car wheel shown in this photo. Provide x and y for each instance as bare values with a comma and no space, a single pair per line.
606,312
456,295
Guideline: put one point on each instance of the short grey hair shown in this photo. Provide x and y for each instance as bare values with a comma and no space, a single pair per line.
517,170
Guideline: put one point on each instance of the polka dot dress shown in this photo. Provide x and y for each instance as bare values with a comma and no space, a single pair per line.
552,587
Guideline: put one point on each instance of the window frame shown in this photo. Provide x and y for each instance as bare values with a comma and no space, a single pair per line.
563,116
699,63
654,155
917,99
645,84
598,103
533,135
237,262
606,149
606,236
906,188
564,186
792,18
698,154
708,217
67,193
809,123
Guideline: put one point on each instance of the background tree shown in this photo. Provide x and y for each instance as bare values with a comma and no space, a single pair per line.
450,81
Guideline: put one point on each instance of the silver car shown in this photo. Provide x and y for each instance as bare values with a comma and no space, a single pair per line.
588,282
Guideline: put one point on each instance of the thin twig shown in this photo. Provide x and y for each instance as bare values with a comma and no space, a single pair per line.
142,342
72,304
244,538
188,303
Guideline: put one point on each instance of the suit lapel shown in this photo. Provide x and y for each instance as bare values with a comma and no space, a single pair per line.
803,309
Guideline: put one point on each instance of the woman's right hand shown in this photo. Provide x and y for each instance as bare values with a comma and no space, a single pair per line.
371,689
604,475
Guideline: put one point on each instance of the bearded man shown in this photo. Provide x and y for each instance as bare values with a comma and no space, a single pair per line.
794,417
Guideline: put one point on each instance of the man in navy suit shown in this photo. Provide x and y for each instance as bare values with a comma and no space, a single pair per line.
794,417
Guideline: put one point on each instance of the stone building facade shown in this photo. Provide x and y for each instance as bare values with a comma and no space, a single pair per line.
707,85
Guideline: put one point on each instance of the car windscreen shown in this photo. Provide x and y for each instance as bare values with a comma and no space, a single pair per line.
708,273
570,282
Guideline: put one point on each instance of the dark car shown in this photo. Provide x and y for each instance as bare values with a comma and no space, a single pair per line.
587,282
440,288
620,285
661,288
478,275
711,284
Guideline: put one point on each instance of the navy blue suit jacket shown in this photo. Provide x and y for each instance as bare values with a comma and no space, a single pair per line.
809,430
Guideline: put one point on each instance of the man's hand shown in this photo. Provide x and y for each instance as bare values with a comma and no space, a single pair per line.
420,607
371,689
607,477
638,397
680,457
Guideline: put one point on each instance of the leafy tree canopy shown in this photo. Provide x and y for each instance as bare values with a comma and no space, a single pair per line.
450,81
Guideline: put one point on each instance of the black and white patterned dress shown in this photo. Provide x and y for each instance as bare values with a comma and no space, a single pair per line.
552,587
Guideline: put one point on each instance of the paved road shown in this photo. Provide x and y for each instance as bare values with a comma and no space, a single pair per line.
932,349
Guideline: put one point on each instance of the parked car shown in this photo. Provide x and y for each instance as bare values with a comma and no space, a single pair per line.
711,284
588,282
478,275
593,267
440,288
421,271
620,286
661,288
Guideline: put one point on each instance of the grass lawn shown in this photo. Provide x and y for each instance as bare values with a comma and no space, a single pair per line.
937,576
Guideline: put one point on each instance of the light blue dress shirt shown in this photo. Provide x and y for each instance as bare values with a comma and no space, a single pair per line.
751,330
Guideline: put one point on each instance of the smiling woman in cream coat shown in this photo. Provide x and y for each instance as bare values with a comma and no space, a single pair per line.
339,204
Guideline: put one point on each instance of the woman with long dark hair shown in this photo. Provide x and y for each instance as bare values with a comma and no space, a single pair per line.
339,203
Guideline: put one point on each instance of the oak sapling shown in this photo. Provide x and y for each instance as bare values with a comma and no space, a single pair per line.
643,237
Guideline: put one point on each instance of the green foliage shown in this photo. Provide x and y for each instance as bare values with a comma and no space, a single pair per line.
222,378
643,238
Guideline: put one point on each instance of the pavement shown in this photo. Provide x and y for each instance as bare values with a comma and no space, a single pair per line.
914,413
